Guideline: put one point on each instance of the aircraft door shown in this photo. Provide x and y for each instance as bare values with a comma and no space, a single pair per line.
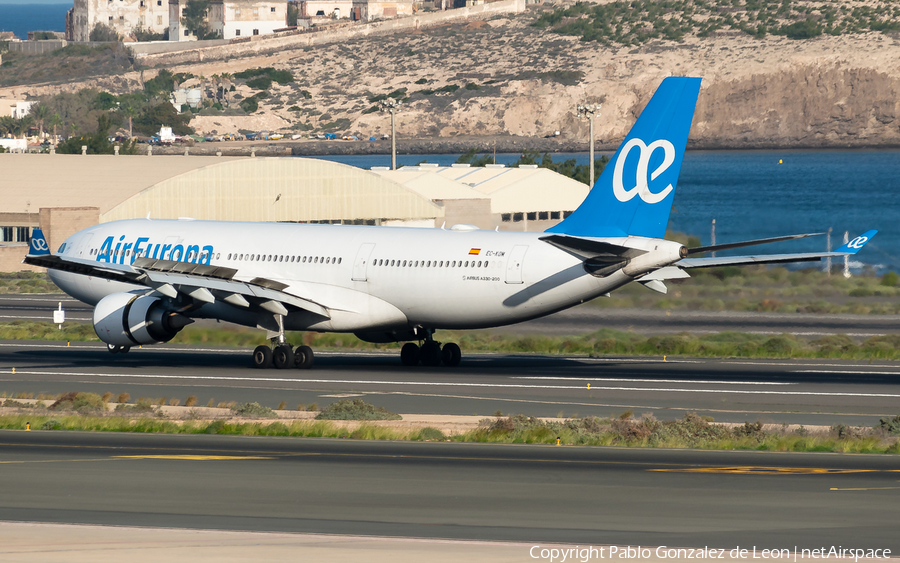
514,264
84,246
361,264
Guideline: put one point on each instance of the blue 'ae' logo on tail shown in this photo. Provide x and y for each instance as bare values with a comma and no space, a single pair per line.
634,194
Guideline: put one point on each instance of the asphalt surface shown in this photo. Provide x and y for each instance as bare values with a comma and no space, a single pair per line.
578,320
785,391
439,490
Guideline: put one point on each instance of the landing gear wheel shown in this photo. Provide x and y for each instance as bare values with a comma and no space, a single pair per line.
409,354
283,357
125,349
451,354
262,357
303,357
113,349
431,354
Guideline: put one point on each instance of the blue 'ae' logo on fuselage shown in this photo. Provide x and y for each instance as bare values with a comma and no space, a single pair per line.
192,253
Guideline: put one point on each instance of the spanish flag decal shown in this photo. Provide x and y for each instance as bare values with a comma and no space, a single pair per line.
475,252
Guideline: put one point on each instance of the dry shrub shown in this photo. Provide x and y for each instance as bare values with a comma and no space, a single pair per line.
190,401
106,397
123,398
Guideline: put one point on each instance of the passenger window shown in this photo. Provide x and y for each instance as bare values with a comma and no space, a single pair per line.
479,263
339,260
404,263
328,260
317,260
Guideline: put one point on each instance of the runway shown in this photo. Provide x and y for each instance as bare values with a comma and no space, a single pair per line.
810,392
440,490
576,321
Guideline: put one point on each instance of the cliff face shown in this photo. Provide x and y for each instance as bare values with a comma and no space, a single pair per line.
802,106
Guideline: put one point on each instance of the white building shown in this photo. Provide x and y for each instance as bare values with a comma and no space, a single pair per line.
356,10
15,108
124,16
232,18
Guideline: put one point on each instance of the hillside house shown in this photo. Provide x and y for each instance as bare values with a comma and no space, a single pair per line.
124,16
232,18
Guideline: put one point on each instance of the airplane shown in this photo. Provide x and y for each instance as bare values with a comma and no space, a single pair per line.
150,278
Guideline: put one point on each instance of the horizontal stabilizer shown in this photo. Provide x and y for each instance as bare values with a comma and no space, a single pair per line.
742,244
851,247
588,248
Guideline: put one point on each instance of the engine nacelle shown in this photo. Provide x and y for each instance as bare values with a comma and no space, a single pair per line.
126,319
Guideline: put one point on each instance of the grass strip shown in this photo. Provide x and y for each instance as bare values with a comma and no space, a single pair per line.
690,432
600,343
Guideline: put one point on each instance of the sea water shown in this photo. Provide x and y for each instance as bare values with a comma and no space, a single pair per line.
21,18
759,194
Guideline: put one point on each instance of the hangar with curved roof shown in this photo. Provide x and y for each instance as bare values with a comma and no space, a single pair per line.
66,193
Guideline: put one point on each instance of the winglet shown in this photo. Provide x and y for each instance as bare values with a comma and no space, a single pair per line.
38,245
856,244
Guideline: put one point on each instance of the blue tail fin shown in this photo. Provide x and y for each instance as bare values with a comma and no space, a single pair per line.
634,194
38,245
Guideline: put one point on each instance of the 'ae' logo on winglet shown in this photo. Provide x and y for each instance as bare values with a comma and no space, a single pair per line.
858,242
642,180
39,245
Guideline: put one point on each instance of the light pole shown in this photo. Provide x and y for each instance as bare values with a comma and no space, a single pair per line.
589,111
392,106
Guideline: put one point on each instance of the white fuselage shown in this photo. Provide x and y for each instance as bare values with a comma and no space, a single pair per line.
368,278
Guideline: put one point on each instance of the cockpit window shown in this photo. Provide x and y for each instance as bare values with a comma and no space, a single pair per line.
61,249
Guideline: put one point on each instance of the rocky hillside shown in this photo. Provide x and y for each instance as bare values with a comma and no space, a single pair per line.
505,77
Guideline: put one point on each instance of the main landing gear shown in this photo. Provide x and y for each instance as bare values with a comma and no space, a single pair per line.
431,354
283,357
114,349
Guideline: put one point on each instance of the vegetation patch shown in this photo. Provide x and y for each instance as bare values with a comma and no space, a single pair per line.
636,22
266,73
355,409
253,410
26,282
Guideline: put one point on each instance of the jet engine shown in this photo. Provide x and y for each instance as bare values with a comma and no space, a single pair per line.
127,319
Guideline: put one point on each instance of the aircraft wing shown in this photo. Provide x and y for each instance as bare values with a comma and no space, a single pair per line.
200,282
848,249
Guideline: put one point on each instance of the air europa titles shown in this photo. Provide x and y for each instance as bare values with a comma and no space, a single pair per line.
115,251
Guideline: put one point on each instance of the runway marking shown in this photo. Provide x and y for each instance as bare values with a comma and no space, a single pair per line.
45,318
13,462
762,470
653,380
459,384
194,457
863,488
65,299
856,372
